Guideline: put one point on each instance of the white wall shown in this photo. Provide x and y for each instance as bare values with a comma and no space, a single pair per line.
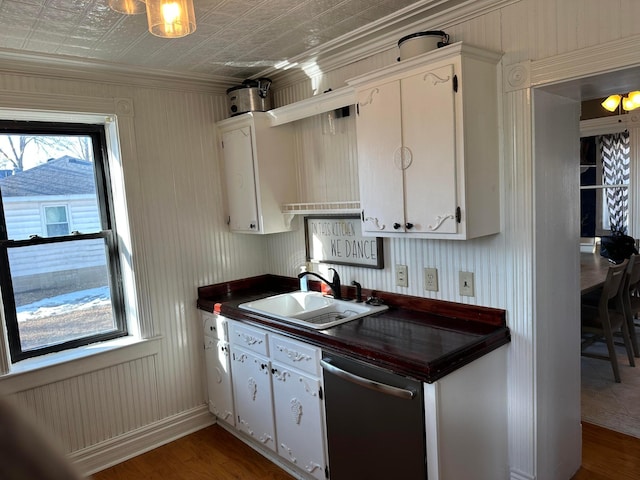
175,195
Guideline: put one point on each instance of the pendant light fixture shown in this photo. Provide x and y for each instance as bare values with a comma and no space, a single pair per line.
171,18
630,102
128,7
166,18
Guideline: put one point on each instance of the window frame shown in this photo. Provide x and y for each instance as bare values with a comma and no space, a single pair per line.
45,227
108,233
607,125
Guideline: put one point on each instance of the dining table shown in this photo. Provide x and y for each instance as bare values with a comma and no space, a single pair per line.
593,271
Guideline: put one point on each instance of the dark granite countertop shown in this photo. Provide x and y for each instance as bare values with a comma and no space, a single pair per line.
420,338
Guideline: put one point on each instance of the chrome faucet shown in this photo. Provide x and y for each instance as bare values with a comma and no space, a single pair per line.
334,284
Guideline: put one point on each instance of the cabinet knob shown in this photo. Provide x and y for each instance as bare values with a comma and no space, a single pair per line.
409,226
252,226
396,226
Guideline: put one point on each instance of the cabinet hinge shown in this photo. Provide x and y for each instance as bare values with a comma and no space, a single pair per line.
362,215
222,143
320,393
455,83
458,215
229,220
357,109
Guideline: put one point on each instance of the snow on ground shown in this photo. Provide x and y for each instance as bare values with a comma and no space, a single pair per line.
80,300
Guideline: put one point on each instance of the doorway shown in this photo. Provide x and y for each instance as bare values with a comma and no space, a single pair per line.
550,200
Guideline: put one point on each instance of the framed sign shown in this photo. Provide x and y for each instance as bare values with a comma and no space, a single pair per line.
338,239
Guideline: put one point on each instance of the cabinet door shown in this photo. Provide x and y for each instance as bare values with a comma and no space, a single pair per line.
429,135
380,157
252,393
218,367
240,179
299,419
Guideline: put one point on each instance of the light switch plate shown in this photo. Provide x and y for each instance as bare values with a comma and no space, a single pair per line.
431,279
401,276
466,284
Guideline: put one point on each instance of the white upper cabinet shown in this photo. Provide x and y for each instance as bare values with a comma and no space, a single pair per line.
427,133
260,173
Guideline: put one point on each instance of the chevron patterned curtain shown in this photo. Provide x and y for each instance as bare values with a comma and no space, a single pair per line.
614,151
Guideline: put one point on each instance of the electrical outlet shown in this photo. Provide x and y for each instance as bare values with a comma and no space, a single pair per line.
401,276
466,284
431,279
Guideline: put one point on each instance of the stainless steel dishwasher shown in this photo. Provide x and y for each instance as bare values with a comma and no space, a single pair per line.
375,422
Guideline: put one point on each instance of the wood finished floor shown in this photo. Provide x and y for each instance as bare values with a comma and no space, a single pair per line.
210,453
213,453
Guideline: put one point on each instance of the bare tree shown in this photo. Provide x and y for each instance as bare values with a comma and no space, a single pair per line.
13,151
13,148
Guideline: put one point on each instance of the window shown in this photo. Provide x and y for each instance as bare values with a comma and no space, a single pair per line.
59,267
56,220
604,184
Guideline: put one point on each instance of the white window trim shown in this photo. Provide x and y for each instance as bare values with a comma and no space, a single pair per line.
116,114
55,367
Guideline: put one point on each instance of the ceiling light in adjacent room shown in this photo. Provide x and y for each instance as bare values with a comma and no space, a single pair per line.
630,102
171,18
612,102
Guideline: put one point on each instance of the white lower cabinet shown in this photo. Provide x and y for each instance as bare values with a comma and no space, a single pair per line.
277,391
219,379
466,421
299,408
218,367
253,398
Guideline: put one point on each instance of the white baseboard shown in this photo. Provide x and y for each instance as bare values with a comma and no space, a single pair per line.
116,450
517,475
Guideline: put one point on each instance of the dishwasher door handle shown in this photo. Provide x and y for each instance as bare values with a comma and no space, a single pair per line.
368,383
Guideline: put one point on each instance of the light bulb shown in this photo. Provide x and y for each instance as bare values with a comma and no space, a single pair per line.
635,97
628,104
170,13
612,102
171,18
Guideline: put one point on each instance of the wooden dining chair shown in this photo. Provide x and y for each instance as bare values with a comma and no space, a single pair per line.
601,322
631,299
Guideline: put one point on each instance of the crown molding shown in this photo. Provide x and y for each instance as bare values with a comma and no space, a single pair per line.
383,35
606,57
69,68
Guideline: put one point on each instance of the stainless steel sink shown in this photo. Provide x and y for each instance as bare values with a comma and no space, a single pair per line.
311,309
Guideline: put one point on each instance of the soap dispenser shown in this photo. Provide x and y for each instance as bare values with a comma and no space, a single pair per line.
304,282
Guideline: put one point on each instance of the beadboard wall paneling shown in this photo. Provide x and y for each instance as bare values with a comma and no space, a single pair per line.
183,206
327,163
518,280
91,408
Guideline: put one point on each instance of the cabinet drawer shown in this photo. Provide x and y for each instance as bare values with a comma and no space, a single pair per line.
215,326
250,338
295,354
